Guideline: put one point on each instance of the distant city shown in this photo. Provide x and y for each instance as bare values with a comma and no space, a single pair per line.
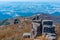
26,9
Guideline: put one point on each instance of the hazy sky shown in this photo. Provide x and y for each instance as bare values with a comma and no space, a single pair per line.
34,0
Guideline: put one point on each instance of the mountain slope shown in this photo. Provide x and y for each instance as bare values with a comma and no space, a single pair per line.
55,19
56,14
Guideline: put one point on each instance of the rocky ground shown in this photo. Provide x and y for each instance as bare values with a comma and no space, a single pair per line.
15,31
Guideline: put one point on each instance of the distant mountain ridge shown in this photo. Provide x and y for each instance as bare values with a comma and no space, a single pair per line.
8,10
56,14
55,19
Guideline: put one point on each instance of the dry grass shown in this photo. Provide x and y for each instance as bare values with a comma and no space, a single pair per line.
57,29
14,32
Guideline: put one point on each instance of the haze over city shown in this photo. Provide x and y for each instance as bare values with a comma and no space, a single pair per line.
33,0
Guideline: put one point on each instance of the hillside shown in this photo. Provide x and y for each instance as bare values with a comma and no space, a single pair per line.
15,31
55,19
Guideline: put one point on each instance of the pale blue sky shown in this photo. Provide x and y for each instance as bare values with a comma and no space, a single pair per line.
34,0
